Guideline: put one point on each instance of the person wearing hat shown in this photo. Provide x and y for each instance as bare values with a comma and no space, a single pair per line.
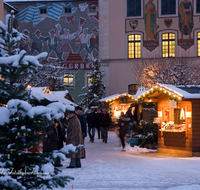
74,136
53,44
25,45
37,42
82,119
94,40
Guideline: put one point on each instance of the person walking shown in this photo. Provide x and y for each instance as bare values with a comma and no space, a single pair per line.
123,123
91,120
98,124
74,137
105,124
82,119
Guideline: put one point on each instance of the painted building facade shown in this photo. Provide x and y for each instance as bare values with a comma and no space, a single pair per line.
133,31
67,30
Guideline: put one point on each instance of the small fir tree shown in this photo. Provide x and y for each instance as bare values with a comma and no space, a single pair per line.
95,88
22,127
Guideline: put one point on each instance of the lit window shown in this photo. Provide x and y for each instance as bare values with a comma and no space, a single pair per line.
134,46
168,7
198,44
67,10
197,6
68,79
132,88
168,45
89,79
92,9
43,11
133,7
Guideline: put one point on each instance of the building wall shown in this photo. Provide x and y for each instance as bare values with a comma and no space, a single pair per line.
120,66
1,10
55,23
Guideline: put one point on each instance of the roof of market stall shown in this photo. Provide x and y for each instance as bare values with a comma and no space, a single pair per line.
115,97
53,96
174,92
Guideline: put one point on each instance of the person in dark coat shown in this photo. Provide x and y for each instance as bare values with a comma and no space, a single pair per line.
82,119
98,124
91,120
50,142
105,124
123,123
74,137
130,115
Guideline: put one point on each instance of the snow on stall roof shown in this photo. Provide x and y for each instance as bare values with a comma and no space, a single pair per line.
26,1
187,92
108,97
114,96
38,92
140,91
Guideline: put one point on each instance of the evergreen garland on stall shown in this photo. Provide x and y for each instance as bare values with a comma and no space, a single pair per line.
22,127
95,90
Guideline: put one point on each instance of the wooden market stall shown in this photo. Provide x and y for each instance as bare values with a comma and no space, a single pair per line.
118,103
178,118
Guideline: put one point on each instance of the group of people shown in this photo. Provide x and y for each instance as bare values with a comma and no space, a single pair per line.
87,41
76,132
100,121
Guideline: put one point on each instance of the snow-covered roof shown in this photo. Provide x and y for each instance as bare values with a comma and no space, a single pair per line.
185,92
140,91
38,92
115,96
15,9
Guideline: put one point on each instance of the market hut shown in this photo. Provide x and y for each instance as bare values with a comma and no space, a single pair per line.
118,103
178,118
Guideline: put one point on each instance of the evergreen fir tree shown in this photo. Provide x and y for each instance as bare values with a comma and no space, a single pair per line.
95,88
22,127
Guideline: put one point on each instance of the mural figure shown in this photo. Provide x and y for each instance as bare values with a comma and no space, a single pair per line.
37,42
150,20
84,40
94,40
53,44
66,38
25,45
185,18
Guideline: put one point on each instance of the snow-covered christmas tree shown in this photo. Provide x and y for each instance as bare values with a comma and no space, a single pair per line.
22,126
95,88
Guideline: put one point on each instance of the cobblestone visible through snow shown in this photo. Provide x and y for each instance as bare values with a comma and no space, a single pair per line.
106,167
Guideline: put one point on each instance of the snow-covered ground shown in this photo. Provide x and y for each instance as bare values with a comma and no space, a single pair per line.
106,167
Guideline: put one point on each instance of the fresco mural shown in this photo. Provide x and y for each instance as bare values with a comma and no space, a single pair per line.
60,34
186,24
151,27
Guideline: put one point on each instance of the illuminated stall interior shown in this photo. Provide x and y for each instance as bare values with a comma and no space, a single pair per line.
178,118
118,103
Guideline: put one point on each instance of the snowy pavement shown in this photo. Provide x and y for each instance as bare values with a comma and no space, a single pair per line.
106,167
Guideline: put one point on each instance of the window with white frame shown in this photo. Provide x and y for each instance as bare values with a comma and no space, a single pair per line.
42,11
69,79
67,10
134,46
168,45
92,10
197,3
168,8
134,8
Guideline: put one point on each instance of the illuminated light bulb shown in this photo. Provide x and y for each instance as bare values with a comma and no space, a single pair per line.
169,93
